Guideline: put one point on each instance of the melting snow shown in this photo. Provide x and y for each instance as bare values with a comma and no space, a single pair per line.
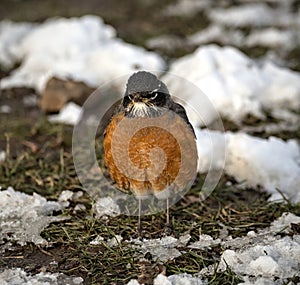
11,35
30,101
187,8
275,27
97,240
277,258
81,48
260,162
5,109
67,195
253,160
271,37
2,155
69,114
283,224
233,83
264,256
252,14
205,241
106,207
161,249
19,276
23,217
216,33
178,279
114,241
186,279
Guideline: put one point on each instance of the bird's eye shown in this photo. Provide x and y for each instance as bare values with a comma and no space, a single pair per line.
154,96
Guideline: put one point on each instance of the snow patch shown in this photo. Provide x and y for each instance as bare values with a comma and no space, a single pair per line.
97,240
211,150
19,276
258,258
66,196
262,257
30,101
114,241
216,33
283,224
259,281
271,37
233,83
161,249
83,49
186,8
11,35
2,155
177,279
106,207
70,114
259,162
5,109
252,160
279,258
23,217
252,14
205,241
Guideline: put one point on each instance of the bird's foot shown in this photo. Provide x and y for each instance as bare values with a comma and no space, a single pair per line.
141,233
168,230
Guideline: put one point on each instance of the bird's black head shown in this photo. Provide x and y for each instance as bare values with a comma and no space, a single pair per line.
145,96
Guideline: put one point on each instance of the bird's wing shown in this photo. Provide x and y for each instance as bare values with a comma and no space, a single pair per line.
179,110
115,108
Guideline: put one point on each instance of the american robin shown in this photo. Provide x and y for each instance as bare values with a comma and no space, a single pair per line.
149,144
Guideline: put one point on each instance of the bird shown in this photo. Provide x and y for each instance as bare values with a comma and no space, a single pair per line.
149,144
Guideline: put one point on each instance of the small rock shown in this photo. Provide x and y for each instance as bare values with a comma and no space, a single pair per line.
60,91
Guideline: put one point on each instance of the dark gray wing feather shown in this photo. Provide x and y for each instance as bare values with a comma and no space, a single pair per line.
179,110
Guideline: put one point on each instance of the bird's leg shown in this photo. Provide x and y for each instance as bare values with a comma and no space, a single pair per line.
139,229
168,226
168,214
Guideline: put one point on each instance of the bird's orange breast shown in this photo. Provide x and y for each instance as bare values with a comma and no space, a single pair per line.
149,155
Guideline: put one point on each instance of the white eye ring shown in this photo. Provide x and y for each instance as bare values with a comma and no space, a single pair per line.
154,96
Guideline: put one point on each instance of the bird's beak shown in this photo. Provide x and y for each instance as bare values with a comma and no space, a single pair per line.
136,97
